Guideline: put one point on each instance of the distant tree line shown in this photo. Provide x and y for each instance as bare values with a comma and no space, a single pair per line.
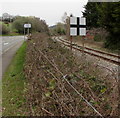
58,29
37,24
17,25
107,16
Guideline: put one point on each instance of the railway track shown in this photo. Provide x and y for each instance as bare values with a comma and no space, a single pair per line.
112,58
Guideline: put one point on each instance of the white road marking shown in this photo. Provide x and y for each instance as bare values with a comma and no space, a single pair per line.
8,48
6,43
13,41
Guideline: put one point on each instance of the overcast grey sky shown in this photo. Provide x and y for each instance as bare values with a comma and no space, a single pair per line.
49,10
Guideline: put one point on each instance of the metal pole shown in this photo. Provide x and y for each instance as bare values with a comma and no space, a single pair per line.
83,45
28,31
71,42
24,34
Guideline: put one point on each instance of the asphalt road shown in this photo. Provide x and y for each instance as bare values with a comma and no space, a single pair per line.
9,46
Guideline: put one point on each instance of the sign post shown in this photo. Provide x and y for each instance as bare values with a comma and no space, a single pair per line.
28,32
77,27
71,42
24,34
27,26
83,44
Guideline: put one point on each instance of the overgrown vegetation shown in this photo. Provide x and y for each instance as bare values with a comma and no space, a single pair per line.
107,16
51,69
13,86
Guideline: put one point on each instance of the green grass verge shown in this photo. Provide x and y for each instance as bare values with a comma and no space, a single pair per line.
13,85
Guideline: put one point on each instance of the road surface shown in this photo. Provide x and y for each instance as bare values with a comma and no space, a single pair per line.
9,46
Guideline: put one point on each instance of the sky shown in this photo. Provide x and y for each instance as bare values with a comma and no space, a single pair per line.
49,10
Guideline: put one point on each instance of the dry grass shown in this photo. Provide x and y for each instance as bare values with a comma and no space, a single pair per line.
49,67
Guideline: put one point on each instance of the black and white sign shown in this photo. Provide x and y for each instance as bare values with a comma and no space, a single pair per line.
27,25
77,26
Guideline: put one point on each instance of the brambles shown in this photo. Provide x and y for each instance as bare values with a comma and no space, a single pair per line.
48,68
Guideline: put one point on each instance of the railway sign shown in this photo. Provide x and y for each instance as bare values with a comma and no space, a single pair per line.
27,25
77,26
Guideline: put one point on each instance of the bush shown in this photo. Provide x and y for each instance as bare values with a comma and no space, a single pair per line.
97,38
4,29
112,42
18,25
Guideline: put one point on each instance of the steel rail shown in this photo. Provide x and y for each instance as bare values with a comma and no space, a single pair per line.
109,54
90,53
